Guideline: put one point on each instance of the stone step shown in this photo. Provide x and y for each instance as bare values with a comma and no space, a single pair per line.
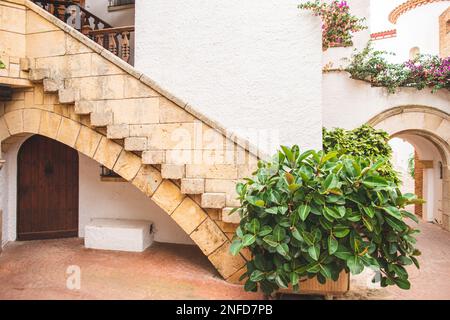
228,217
153,157
172,171
117,131
192,186
135,143
39,74
213,200
52,85
101,119
68,95
84,107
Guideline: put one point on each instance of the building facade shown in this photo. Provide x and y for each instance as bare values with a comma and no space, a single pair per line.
213,89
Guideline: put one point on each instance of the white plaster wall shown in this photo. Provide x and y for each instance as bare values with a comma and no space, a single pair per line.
253,64
361,9
118,18
100,199
349,103
416,28
432,182
97,199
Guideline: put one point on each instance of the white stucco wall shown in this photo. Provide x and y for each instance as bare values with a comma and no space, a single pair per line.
102,199
118,18
97,199
349,103
415,28
251,64
361,9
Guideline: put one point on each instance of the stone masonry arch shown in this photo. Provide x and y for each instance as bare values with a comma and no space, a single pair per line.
64,126
429,123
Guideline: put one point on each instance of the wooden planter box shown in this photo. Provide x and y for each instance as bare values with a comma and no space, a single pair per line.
330,288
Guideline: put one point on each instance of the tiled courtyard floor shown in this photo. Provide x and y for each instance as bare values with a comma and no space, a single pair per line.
431,281
37,270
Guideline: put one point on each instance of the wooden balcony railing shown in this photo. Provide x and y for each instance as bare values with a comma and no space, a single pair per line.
116,40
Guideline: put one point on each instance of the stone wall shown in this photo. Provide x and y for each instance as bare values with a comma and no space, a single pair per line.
444,34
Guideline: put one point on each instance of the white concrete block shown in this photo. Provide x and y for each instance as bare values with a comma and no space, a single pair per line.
118,234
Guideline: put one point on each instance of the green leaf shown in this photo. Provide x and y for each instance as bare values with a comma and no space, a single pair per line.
328,156
283,249
294,187
273,210
248,240
235,247
375,182
402,283
294,278
410,215
280,282
270,241
393,211
296,234
303,211
314,252
340,231
265,231
250,286
288,152
343,253
369,211
332,244
279,233
325,271
257,276
355,265
330,182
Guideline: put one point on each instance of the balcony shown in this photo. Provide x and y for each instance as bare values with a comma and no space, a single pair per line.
114,5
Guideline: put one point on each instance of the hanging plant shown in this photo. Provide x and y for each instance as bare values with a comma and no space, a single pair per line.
2,65
338,23
424,71
315,215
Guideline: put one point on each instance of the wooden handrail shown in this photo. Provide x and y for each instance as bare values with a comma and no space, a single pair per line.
115,29
63,15
117,40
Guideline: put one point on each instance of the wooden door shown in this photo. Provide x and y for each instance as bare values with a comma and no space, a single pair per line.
47,190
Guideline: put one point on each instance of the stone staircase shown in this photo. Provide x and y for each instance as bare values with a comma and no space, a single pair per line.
217,196
77,92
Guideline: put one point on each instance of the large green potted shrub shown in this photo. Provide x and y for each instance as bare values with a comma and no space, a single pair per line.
314,215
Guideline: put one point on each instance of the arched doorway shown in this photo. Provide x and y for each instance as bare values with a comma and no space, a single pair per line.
428,131
47,190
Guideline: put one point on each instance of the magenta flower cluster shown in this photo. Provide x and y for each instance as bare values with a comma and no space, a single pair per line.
429,71
337,22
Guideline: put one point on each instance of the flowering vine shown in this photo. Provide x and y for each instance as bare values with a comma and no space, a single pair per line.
337,22
424,71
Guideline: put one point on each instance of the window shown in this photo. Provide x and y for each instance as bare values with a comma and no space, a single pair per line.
414,53
116,3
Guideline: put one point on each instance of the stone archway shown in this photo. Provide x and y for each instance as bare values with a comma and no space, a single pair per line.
63,125
432,127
